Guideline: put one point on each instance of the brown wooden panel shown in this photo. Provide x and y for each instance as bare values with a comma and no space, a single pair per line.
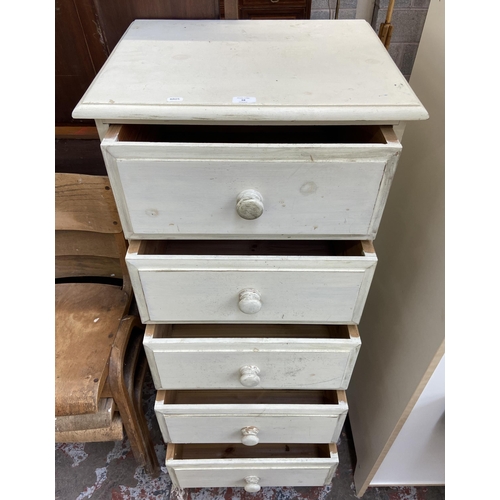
80,243
85,203
80,51
87,266
76,132
270,4
288,13
116,15
266,9
76,156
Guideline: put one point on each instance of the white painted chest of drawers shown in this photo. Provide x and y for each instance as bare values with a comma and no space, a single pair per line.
251,162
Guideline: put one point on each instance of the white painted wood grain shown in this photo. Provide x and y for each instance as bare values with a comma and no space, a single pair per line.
205,289
297,71
206,473
174,190
272,474
284,427
284,363
292,422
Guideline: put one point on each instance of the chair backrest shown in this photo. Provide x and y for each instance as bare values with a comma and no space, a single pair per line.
89,239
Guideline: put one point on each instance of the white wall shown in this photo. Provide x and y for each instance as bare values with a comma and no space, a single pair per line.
364,10
417,456
402,328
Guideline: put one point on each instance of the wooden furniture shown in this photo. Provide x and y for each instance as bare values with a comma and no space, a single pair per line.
100,362
251,162
265,9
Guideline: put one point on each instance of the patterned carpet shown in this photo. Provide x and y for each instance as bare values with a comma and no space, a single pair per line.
108,471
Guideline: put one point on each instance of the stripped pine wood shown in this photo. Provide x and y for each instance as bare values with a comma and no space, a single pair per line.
85,205
113,432
102,418
98,347
92,314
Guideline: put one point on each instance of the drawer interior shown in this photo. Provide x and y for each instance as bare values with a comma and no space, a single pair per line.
289,248
234,450
214,397
344,332
253,134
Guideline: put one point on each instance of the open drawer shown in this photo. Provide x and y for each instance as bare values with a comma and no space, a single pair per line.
251,417
236,465
250,181
251,281
251,356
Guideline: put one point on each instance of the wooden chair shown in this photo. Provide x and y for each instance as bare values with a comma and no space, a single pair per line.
100,361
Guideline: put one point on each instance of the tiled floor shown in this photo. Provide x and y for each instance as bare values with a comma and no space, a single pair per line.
108,471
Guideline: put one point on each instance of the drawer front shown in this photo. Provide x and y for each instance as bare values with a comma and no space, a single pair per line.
279,363
273,13
227,429
242,472
248,289
306,417
273,3
194,191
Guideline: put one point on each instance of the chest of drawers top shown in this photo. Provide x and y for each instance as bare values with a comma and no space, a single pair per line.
247,71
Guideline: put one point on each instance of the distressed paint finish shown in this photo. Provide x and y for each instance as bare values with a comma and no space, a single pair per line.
309,73
274,423
206,472
193,190
290,363
293,289
300,71
79,474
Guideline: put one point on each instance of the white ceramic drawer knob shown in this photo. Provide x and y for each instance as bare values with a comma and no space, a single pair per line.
249,376
252,485
249,204
249,301
249,436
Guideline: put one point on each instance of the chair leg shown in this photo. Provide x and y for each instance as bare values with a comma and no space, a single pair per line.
140,375
132,417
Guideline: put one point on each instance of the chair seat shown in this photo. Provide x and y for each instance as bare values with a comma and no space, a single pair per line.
102,418
87,317
113,432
